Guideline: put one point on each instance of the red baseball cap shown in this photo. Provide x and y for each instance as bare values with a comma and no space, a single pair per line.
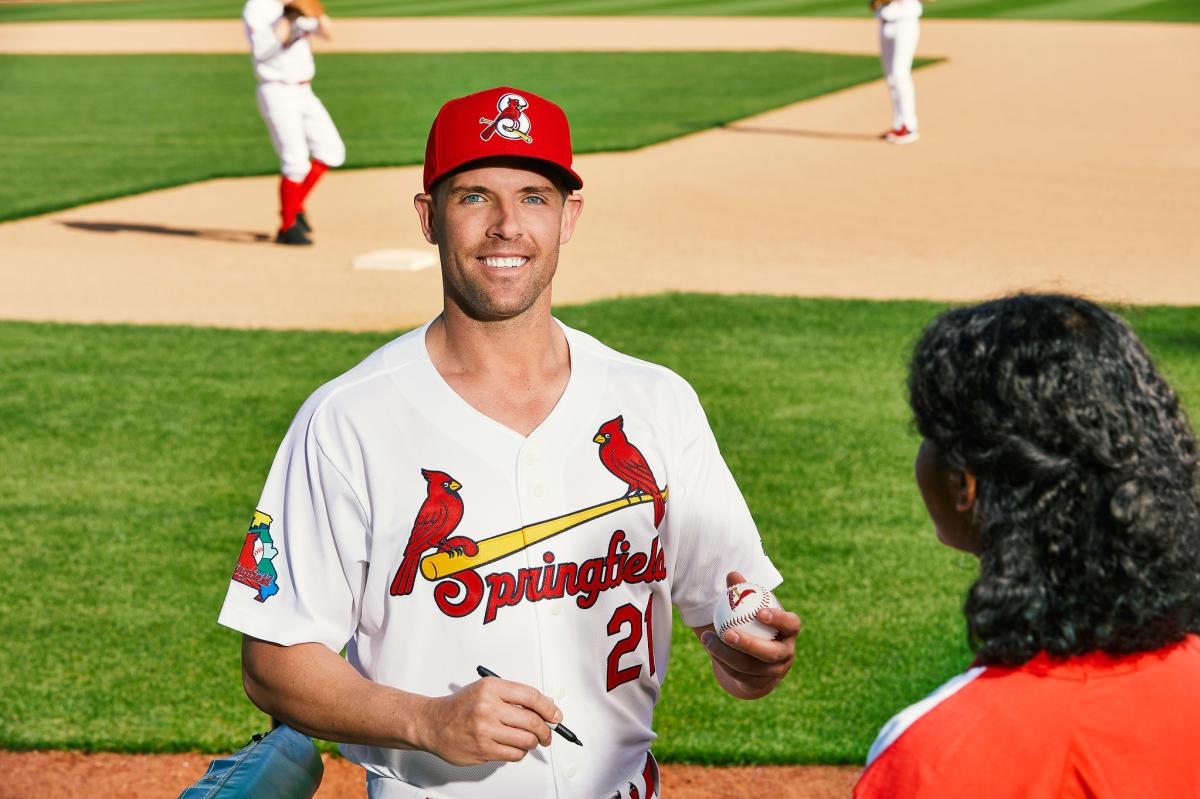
503,122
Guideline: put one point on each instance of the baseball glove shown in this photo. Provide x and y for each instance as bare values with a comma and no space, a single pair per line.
305,8
877,4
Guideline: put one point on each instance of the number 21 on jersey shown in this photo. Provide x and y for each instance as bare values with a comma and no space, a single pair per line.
628,614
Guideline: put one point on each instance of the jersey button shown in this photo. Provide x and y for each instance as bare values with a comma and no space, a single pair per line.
556,609
571,771
538,490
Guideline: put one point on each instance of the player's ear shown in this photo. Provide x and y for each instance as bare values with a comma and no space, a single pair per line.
572,208
424,203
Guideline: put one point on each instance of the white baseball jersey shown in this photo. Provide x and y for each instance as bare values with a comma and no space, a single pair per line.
297,120
899,9
272,60
539,555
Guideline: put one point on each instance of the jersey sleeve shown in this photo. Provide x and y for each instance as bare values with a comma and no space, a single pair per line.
900,9
716,532
300,570
259,18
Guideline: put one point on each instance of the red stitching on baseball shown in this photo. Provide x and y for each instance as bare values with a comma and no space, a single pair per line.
765,601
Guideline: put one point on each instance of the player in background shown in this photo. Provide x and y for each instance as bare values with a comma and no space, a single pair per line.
899,28
497,490
1056,453
302,131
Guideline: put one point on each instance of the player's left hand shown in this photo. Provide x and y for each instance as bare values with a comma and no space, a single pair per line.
748,667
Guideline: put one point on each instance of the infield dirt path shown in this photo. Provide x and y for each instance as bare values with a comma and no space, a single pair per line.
74,775
1054,155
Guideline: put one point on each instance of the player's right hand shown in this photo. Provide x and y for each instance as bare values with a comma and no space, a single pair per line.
490,719
307,24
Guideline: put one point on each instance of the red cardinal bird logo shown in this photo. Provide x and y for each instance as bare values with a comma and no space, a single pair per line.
735,601
626,462
511,111
440,513
511,122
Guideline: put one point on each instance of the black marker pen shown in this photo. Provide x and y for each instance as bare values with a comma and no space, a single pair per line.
558,728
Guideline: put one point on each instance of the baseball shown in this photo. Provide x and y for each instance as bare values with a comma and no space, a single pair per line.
737,608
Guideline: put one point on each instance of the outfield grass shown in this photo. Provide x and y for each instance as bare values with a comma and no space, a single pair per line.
1153,10
132,457
77,129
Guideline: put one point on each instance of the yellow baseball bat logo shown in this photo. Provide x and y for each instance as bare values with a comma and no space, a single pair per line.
445,564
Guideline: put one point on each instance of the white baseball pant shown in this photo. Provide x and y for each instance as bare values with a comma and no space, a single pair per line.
300,128
897,47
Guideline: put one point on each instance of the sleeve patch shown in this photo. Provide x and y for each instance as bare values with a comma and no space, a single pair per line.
254,567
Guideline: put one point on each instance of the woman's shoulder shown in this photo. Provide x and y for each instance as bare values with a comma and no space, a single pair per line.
953,741
1010,731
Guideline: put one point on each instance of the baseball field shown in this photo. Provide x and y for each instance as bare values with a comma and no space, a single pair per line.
744,226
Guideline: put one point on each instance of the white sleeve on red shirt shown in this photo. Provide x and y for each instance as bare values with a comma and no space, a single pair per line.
913,713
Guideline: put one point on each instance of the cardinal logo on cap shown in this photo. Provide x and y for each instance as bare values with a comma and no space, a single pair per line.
511,121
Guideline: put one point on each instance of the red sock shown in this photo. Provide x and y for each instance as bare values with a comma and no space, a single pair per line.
315,172
291,199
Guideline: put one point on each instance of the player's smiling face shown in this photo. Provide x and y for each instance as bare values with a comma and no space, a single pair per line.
498,230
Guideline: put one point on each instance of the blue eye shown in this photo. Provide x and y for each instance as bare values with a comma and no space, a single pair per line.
473,198
535,199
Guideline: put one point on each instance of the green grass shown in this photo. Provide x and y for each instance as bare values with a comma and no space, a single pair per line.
132,457
77,129
1154,10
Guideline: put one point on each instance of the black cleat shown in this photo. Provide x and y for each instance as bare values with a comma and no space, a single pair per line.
302,222
293,235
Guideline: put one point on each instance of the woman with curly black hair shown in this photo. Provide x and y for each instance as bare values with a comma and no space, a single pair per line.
1055,452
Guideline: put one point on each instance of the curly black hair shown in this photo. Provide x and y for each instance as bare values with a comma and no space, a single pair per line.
1087,472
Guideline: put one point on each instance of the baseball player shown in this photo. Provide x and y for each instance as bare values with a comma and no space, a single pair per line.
302,131
495,490
899,28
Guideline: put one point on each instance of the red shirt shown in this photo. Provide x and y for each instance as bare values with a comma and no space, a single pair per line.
1092,726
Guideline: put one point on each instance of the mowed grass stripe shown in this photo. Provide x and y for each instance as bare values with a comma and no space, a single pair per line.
77,129
1041,9
1162,10
133,457
1159,11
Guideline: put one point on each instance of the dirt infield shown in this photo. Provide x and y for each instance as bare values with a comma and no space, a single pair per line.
1053,155
72,775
